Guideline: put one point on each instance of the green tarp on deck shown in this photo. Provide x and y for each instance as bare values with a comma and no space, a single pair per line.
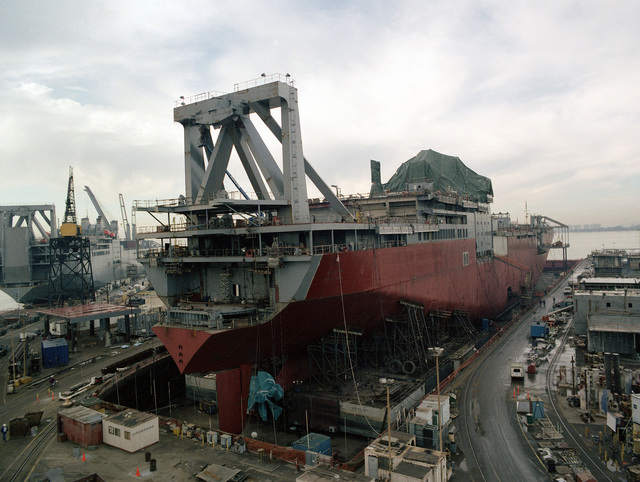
447,173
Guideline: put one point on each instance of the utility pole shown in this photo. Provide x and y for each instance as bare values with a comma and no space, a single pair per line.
25,346
437,352
388,382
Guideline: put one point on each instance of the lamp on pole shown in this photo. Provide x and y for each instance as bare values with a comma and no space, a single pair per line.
437,352
387,382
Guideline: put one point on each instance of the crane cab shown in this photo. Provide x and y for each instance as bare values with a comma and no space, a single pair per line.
70,229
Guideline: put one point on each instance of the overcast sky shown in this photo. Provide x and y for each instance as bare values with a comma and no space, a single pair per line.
541,97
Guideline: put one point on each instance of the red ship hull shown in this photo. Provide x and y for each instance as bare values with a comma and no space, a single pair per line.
356,290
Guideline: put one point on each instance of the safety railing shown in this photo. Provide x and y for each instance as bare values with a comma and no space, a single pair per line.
270,251
263,79
199,97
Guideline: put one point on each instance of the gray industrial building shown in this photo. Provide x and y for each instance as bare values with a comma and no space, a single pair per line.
599,303
610,319
614,333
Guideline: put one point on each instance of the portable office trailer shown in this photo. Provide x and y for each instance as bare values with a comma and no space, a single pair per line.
81,425
131,430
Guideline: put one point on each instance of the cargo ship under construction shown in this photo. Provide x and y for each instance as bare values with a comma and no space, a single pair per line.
254,276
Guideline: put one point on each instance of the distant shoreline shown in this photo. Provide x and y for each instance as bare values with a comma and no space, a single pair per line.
600,230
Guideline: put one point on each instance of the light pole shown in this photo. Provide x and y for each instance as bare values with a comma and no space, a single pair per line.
437,352
25,346
13,352
573,376
387,382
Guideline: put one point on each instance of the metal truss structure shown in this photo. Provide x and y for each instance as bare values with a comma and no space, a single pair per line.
281,189
71,276
333,359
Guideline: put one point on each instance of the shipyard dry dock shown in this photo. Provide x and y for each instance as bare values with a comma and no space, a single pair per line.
67,444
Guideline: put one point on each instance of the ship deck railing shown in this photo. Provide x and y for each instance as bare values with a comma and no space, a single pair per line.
204,201
269,252
515,230
215,324
253,222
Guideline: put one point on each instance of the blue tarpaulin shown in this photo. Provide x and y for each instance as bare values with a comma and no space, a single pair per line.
264,391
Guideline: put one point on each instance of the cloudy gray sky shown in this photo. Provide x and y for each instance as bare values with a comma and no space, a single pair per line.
542,97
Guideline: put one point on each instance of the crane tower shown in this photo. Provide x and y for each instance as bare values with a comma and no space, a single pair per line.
70,272
69,226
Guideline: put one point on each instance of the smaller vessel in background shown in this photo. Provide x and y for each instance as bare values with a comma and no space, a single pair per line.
25,257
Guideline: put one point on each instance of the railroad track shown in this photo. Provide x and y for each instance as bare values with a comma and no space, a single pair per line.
30,454
468,403
600,474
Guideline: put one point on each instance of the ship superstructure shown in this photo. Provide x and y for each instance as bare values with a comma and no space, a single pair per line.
250,276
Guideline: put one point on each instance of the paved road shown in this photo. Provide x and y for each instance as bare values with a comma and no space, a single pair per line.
489,435
488,432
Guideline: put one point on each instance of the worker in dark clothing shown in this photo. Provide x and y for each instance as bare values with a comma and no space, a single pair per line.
4,432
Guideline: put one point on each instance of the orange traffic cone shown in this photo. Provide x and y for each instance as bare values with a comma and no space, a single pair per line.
84,459
518,389
137,472
52,396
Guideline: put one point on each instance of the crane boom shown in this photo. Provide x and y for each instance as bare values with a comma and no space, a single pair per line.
125,221
69,226
133,222
107,222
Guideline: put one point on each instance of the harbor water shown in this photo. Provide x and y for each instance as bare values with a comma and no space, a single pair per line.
582,243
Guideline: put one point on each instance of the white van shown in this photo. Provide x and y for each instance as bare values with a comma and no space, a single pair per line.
517,371
27,336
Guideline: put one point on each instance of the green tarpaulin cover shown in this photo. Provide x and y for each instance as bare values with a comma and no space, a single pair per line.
263,390
447,173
